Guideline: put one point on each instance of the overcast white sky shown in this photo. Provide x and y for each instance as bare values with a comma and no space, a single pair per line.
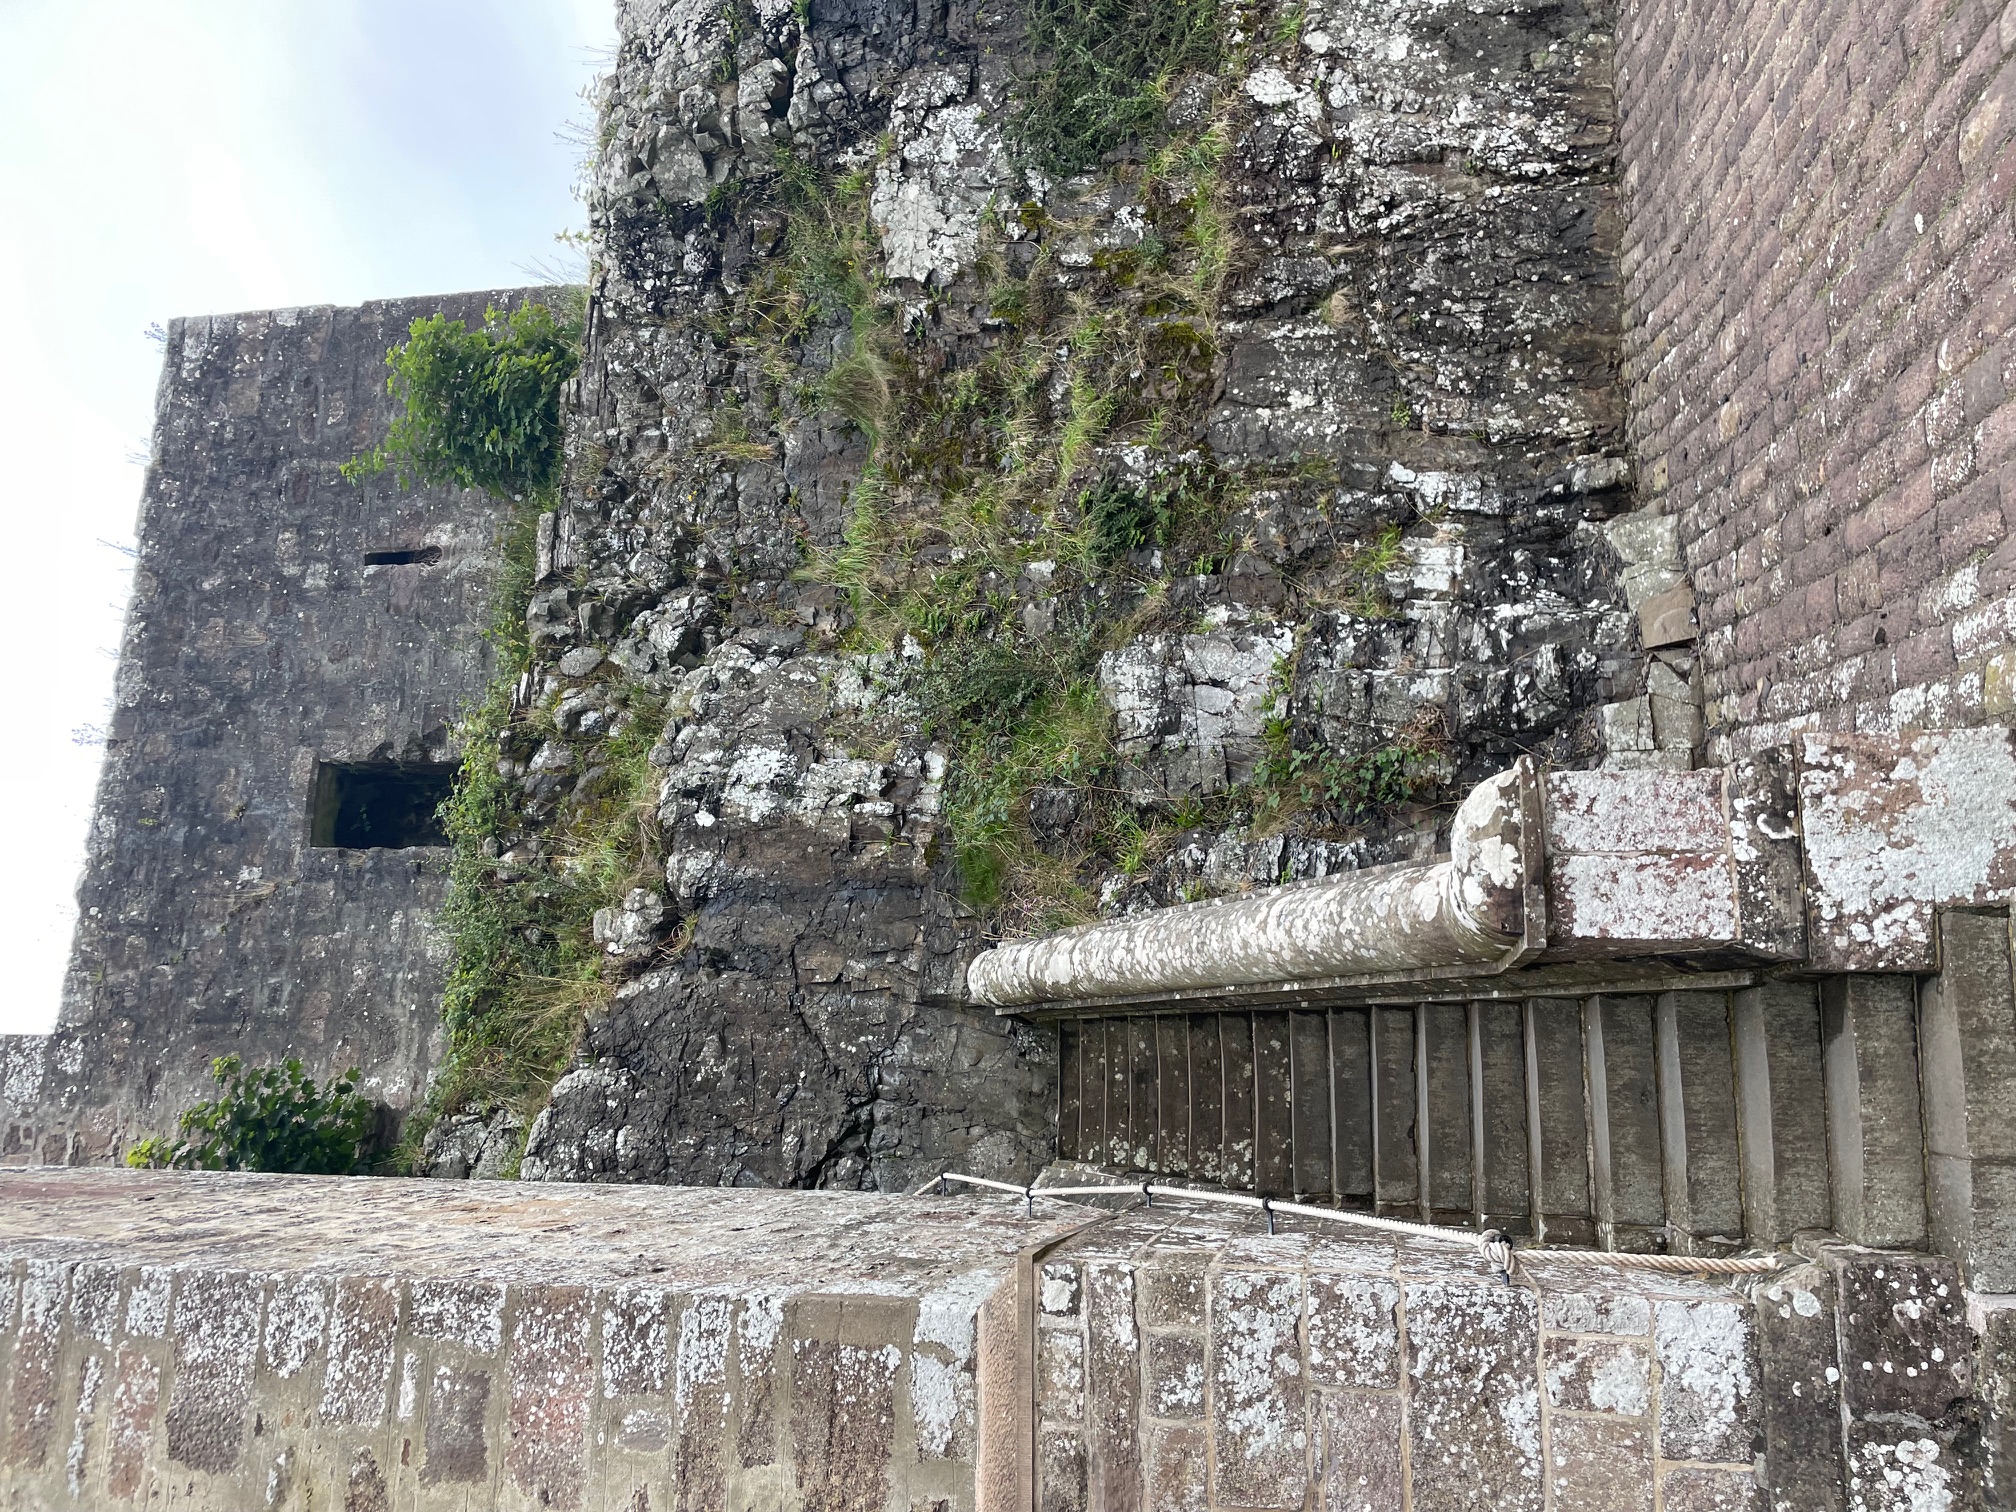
182,157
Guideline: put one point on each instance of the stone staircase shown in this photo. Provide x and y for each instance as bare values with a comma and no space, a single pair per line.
1734,1114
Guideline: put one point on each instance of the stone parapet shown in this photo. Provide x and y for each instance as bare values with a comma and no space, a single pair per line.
233,1341
1185,1360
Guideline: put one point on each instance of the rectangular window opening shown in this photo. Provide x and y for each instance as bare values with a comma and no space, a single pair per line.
403,556
378,807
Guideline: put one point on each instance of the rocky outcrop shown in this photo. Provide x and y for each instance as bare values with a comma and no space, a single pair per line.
1281,435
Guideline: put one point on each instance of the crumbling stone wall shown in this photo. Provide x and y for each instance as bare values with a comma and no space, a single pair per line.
1407,395
258,643
1817,271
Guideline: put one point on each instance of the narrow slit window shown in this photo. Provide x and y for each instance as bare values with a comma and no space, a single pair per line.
403,556
378,807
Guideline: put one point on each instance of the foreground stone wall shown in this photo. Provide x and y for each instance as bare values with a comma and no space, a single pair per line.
212,1341
226,1342
258,643
1187,1361
1817,270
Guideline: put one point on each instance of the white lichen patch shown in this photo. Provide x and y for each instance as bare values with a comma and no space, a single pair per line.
1906,1476
295,1319
702,1358
1708,1374
932,191
147,1302
1889,835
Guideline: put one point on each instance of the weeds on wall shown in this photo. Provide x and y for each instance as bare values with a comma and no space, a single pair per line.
268,1118
526,971
1108,71
981,474
481,408
997,470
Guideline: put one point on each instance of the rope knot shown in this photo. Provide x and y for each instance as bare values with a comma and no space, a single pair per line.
1497,1252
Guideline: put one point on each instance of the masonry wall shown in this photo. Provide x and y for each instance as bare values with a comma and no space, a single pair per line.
258,644
1817,272
303,1343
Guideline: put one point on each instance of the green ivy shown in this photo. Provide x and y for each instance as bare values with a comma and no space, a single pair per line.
269,1118
478,409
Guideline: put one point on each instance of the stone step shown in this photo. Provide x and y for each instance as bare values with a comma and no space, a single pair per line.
1696,1121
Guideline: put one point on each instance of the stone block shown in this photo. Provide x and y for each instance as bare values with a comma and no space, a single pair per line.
1781,1110
843,1412
458,1408
1473,1396
1800,1377
1894,1468
1057,1294
1259,1439
363,1323
94,1302
1442,1096
1354,1331
1697,1114
1363,1461
1396,1171
1173,1384
636,1349
1692,1488
1557,1122
1597,1464
1060,1472
550,1383
1967,1049
1501,1149
1060,1375
1875,1144
1112,1387
129,1431
297,1321
1597,1375
1351,1103
1995,1391
33,1372
1571,1307
1178,1469
1709,1402
1626,1162
761,1350
700,1359
1667,619
1897,827
1761,792
1172,1293
1905,1345
216,1334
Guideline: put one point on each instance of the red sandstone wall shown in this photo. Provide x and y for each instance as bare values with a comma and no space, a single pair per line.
1819,291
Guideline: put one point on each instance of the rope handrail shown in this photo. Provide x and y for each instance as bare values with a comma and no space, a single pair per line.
1492,1246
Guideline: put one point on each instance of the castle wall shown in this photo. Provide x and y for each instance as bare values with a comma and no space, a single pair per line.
259,644
1817,273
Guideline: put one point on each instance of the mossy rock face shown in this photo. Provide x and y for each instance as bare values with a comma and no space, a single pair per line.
1125,453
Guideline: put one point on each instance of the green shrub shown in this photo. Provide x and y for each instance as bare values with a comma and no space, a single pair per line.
271,1118
478,409
1109,68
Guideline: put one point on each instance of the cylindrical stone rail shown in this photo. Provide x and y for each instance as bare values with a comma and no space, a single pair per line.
1472,908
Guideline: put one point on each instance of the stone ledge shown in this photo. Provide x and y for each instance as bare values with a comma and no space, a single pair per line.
228,1340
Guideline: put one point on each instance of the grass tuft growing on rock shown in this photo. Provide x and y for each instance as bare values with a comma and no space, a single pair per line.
1109,71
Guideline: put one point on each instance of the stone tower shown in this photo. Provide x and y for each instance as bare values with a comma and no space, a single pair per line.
264,864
